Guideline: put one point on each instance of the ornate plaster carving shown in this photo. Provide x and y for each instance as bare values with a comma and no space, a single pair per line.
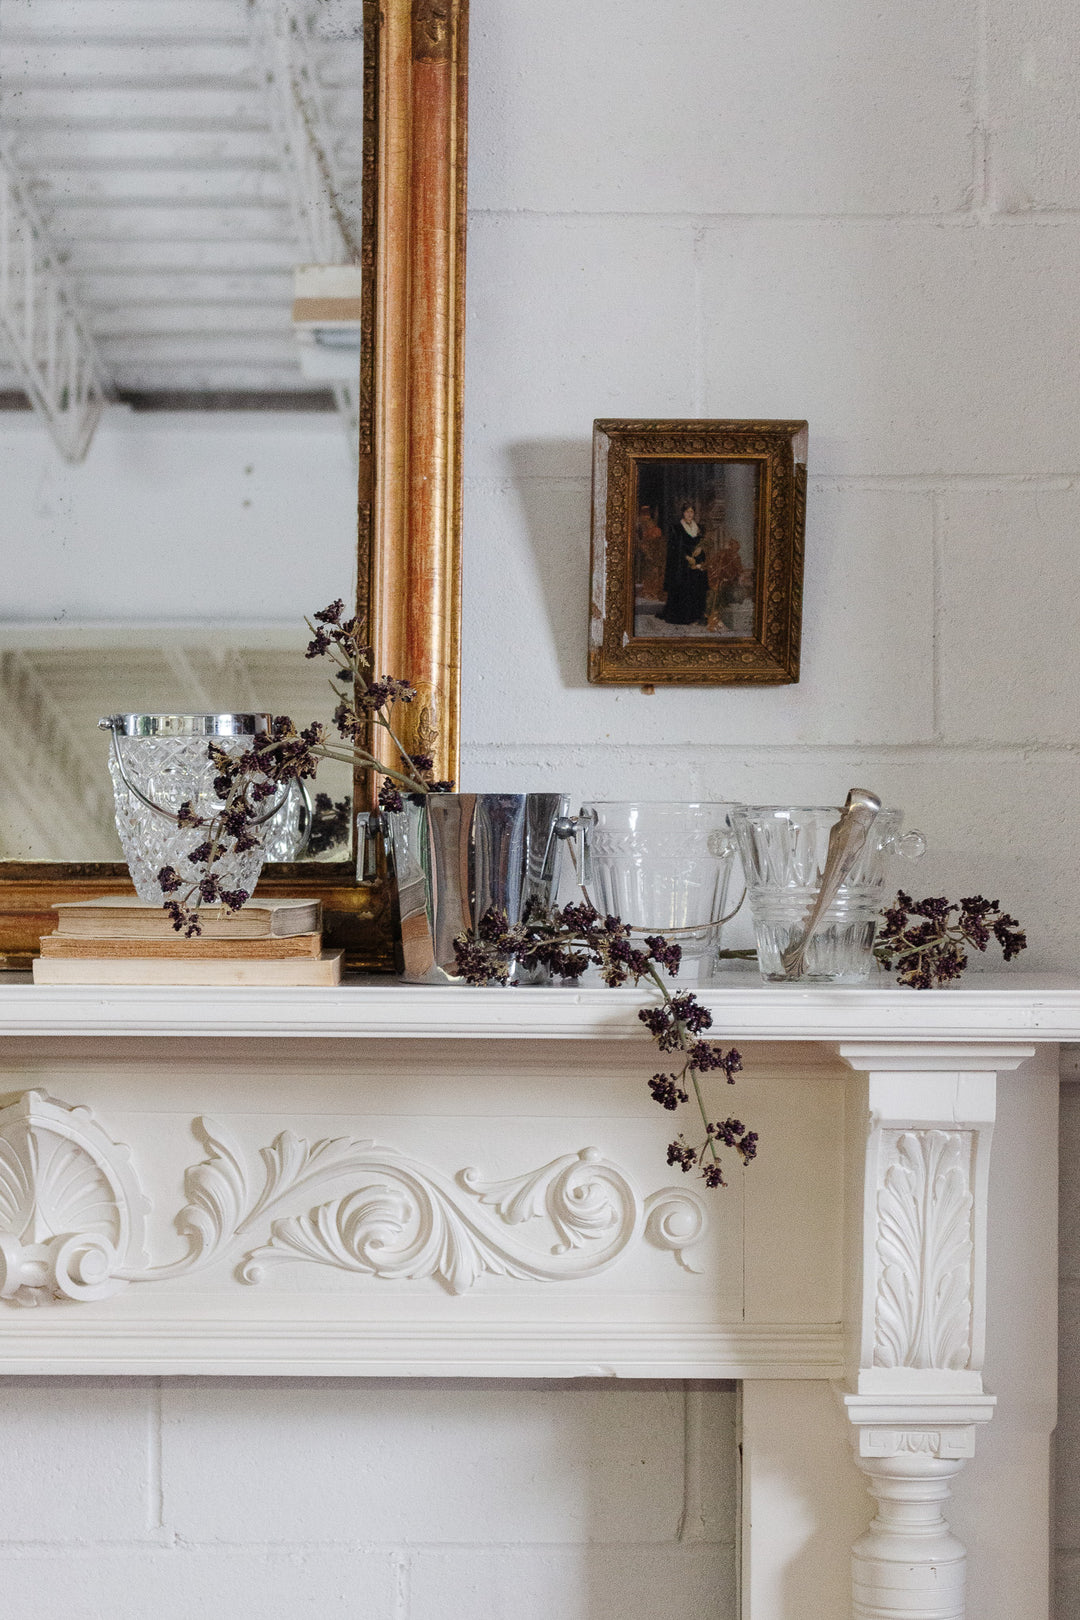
71,1212
396,1217
954,1441
924,1252
72,1217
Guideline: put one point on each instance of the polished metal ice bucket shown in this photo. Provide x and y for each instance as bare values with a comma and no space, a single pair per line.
454,856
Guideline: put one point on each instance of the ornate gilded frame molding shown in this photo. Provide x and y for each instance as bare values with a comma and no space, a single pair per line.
409,490
768,657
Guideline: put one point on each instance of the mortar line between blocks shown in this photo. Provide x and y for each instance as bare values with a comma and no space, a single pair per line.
697,252
920,752
960,217
980,95
400,1563
937,519
155,1505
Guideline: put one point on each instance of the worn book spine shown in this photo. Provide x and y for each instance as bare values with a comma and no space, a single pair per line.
125,918
159,970
178,949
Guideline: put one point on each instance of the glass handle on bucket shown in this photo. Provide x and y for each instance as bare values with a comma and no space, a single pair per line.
911,845
306,819
573,830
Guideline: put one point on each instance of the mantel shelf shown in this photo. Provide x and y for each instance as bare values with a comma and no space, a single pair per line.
985,1008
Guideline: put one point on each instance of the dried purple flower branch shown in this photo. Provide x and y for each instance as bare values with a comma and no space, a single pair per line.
245,781
925,942
570,939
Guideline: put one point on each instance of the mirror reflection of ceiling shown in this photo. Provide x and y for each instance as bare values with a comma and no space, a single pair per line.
173,161
56,796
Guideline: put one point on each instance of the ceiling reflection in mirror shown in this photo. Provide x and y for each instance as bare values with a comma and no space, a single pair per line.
177,448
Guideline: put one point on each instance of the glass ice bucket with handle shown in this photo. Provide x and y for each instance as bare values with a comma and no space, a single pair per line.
664,867
158,762
784,851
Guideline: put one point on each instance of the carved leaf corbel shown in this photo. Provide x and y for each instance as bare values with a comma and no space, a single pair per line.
924,1249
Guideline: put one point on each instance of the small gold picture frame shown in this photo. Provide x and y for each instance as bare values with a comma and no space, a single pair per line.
697,553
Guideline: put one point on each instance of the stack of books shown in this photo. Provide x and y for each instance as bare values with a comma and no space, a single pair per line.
121,941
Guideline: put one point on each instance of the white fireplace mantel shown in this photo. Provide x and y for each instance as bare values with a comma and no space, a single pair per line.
395,1180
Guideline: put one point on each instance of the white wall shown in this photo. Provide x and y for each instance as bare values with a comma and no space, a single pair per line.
866,216
323,1499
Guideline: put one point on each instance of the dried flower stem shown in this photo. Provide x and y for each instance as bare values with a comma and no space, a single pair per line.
925,940
567,941
245,781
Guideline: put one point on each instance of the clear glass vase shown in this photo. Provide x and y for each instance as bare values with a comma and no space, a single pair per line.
159,761
784,849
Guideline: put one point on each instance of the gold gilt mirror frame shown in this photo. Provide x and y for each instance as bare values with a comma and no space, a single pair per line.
409,490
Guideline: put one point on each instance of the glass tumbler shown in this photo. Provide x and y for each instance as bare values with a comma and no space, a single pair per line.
664,868
784,849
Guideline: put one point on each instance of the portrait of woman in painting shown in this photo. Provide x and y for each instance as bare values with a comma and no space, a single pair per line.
694,548
686,579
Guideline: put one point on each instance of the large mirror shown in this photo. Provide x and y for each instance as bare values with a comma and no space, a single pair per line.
211,217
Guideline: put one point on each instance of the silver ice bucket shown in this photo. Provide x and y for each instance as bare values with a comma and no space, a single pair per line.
454,856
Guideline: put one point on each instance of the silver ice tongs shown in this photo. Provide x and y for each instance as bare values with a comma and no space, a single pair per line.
847,840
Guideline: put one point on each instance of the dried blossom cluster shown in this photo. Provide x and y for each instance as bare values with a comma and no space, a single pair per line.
572,938
924,940
250,781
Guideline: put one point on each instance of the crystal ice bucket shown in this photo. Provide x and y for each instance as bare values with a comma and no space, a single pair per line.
784,850
664,868
158,762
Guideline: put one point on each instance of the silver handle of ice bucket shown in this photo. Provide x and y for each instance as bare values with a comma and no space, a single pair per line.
371,829
111,724
577,828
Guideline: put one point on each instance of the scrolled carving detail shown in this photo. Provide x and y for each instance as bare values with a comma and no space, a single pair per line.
924,1249
413,1222
72,1217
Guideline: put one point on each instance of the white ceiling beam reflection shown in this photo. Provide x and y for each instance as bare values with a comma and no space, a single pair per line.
42,328
282,41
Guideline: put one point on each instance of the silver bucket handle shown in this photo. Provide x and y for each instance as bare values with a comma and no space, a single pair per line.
571,829
112,725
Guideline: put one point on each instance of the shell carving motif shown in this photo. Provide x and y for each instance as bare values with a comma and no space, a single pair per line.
71,1214
925,1251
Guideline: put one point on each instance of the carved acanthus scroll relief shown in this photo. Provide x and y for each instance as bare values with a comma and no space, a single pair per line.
925,1249
73,1219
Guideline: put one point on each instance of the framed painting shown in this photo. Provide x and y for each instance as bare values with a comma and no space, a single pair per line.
697,552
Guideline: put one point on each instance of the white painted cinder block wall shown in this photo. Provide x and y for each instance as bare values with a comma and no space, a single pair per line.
866,216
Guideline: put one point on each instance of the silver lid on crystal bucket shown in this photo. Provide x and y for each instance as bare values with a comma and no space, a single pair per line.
187,725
